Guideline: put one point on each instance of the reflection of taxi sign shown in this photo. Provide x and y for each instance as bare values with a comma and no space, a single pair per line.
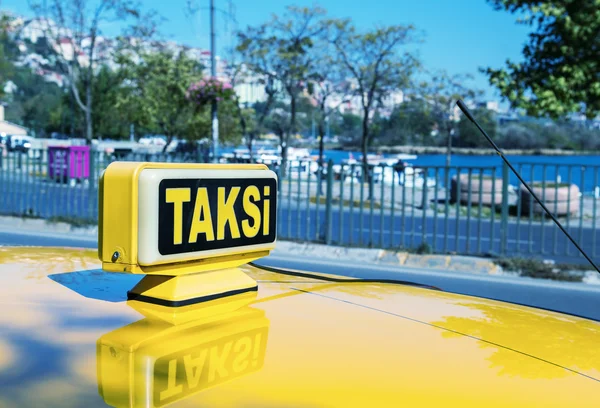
186,372
151,363
162,213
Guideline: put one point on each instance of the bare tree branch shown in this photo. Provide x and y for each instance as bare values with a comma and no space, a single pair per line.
66,25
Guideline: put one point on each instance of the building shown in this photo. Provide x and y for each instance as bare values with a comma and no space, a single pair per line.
489,105
8,128
251,93
37,28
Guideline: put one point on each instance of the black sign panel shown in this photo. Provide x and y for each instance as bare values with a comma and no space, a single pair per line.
206,214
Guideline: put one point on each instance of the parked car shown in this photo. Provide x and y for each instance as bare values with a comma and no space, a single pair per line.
19,143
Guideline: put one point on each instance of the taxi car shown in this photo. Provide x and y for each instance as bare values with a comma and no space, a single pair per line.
171,311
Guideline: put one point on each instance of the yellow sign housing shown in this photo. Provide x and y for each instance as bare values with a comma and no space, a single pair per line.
184,220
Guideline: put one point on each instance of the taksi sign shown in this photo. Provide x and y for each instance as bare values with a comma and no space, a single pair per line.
155,214
206,214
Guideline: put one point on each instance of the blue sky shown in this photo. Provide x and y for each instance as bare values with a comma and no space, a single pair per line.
460,35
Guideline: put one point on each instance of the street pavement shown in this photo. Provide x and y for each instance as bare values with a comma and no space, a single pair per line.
573,298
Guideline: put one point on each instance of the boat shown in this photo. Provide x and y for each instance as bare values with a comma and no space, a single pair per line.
384,171
299,160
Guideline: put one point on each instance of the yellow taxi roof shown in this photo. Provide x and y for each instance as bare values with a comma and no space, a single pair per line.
69,338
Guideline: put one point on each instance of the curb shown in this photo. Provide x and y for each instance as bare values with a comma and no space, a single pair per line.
38,224
455,263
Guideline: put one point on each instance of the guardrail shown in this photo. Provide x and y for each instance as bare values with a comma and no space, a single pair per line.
467,210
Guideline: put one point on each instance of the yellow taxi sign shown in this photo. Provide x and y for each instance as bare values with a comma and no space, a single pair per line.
204,211
172,219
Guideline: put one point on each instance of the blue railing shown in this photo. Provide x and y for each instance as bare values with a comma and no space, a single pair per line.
466,210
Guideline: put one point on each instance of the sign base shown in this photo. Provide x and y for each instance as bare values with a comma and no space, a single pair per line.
206,311
185,290
190,267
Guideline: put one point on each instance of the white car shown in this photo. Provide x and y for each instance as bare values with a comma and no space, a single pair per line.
152,140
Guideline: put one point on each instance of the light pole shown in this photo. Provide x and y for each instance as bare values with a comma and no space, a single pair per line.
213,73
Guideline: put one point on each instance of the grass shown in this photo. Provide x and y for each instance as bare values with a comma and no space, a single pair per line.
486,212
475,177
550,185
346,203
423,249
74,221
535,268
26,215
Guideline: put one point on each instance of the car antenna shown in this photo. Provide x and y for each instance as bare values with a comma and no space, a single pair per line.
465,110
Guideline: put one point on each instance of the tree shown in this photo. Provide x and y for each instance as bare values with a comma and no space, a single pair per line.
520,135
537,134
562,58
73,29
6,66
412,123
441,92
278,120
110,119
261,110
251,120
157,92
469,135
328,85
347,126
34,103
282,49
376,65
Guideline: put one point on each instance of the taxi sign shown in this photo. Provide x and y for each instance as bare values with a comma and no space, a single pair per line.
208,214
192,217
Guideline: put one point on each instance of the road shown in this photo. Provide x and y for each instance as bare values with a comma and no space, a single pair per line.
381,229
573,298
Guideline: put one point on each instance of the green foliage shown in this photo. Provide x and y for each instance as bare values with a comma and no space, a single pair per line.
35,104
424,249
535,268
85,22
469,135
560,72
278,121
156,92
410,123
155,95
347,127
111,120
282,51
440,92
76,222
377,64
550,135
5,64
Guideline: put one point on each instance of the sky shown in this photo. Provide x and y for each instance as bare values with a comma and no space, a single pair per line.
460,36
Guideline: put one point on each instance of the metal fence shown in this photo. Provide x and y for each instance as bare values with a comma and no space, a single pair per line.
467,210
